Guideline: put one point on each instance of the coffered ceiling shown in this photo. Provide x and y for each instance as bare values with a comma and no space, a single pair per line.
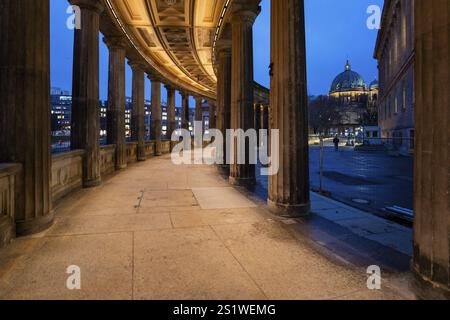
174,36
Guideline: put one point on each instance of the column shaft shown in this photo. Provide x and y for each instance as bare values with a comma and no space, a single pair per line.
156,114
116,100
431,261
199,111
224,95
242,82
185,111
25,108
138,109
289,188
212,115
85,121
171,114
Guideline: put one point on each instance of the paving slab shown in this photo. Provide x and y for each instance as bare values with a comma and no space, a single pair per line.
221,198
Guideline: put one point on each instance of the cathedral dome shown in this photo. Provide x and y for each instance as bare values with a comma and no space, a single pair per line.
374,85
348,81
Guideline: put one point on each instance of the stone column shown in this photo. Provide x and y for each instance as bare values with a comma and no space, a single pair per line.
244,13
185,111
25,108
116,99
212,115
156,113
199,111
138,109
431,261
171,114
85,120
224,93
289,188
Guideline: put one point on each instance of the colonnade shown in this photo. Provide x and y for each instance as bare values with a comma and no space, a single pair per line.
25,111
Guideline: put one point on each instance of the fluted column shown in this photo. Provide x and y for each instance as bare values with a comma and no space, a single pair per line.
244,13
289,188
212,115
431,261
224,94
25,108
138,108
171,114
199,111
85,120
156,113
185,110
116,99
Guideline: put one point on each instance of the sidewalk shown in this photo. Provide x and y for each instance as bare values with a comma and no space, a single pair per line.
160,231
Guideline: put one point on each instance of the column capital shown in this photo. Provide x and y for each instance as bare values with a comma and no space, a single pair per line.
169,87
137,65
115,42
184,94
94,5
245,10
223,47
154,77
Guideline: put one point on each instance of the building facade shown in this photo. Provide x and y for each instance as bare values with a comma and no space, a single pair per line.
355,102
395,54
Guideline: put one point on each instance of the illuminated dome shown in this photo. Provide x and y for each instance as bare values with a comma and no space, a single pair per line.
348,81
374,85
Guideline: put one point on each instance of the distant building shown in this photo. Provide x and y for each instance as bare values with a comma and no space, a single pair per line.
356,102
61,111
395,54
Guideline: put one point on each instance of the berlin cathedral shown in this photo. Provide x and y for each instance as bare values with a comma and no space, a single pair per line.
355,100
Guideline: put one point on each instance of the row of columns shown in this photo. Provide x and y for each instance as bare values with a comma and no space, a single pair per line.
289,188
25,113
25,109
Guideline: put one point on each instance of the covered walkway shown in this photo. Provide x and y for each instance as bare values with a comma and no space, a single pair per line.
161,231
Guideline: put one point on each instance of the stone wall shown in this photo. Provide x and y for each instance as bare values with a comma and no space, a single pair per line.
8,174
67,173
107,159
132,152
149,149
165,146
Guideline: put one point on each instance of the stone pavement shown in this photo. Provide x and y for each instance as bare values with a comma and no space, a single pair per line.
160,231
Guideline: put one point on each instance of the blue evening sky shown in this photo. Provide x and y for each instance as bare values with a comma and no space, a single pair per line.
336,30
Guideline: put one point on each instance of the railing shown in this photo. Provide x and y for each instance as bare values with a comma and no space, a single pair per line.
8,177
67,173
107,159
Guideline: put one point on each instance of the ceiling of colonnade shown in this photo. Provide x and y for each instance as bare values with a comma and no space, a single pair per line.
175,36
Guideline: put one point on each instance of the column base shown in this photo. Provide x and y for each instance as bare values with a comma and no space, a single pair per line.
140,159
92,183
427,289
242,182
288,210
25,228
121,167
224,169
7,231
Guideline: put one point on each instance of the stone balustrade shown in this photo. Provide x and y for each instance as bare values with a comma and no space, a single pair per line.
107,159
67,173
8,177
132,151
149,149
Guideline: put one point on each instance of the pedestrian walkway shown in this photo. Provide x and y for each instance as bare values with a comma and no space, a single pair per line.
160,231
